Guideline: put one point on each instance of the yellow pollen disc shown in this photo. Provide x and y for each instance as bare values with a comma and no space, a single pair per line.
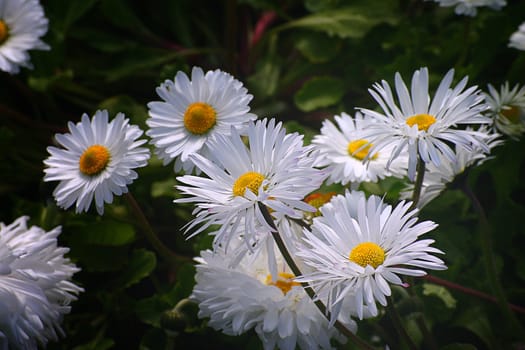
358,150
423,121
251,180
367,253
317,200
4,31
199,118
94,160
512,114
284,282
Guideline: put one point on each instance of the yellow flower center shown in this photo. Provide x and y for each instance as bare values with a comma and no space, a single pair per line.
251,180
284,282
4,32
367,253
199,118
423,121
94,160
359,149
317,200
512,114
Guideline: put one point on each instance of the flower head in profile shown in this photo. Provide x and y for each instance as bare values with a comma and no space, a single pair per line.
425,127
96,161
247,296
507,108
470,7
35,285
342,149
436,178
359,246
274,169
22,23
517,39
193,112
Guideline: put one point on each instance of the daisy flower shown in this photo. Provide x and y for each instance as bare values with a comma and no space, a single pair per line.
425,126
22,23
469,7
342,149
437,178
275,169
507,108
35,285
246,295
96,161
517,39
193,112
358,246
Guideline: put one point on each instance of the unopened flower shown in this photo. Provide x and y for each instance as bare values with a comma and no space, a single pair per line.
359,246
507,108
96,161
425,127
193,112
35,285
517,39
22,23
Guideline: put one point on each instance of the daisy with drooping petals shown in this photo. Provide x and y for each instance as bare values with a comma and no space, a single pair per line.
192,112
35,285
507,107
22,23
241,296
342,149
275,169
425,126
358,246
517,39
96,161
469,7
437,178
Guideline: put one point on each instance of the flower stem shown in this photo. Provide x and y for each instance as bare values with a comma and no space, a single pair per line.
150,235
420,169
398,325
489,260
311,293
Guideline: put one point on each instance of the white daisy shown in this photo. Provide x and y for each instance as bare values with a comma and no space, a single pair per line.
507,108
437,178
469,7
97,161
245,296
274,169
35,285
22,23
425,126
342,149
517,39
193,112
358,246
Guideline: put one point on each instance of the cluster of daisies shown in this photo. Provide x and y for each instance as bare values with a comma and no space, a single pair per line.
254,185
281,245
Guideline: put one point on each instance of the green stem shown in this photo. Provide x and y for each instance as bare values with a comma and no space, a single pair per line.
398,325
311,293
420,169
150,235
490,261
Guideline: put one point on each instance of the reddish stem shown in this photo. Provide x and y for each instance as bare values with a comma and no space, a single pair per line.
262,24
470,291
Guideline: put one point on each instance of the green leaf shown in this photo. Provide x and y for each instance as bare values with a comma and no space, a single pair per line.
319,92
141,263
317,47
348,22
76,10
440,292
105,233
96,344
